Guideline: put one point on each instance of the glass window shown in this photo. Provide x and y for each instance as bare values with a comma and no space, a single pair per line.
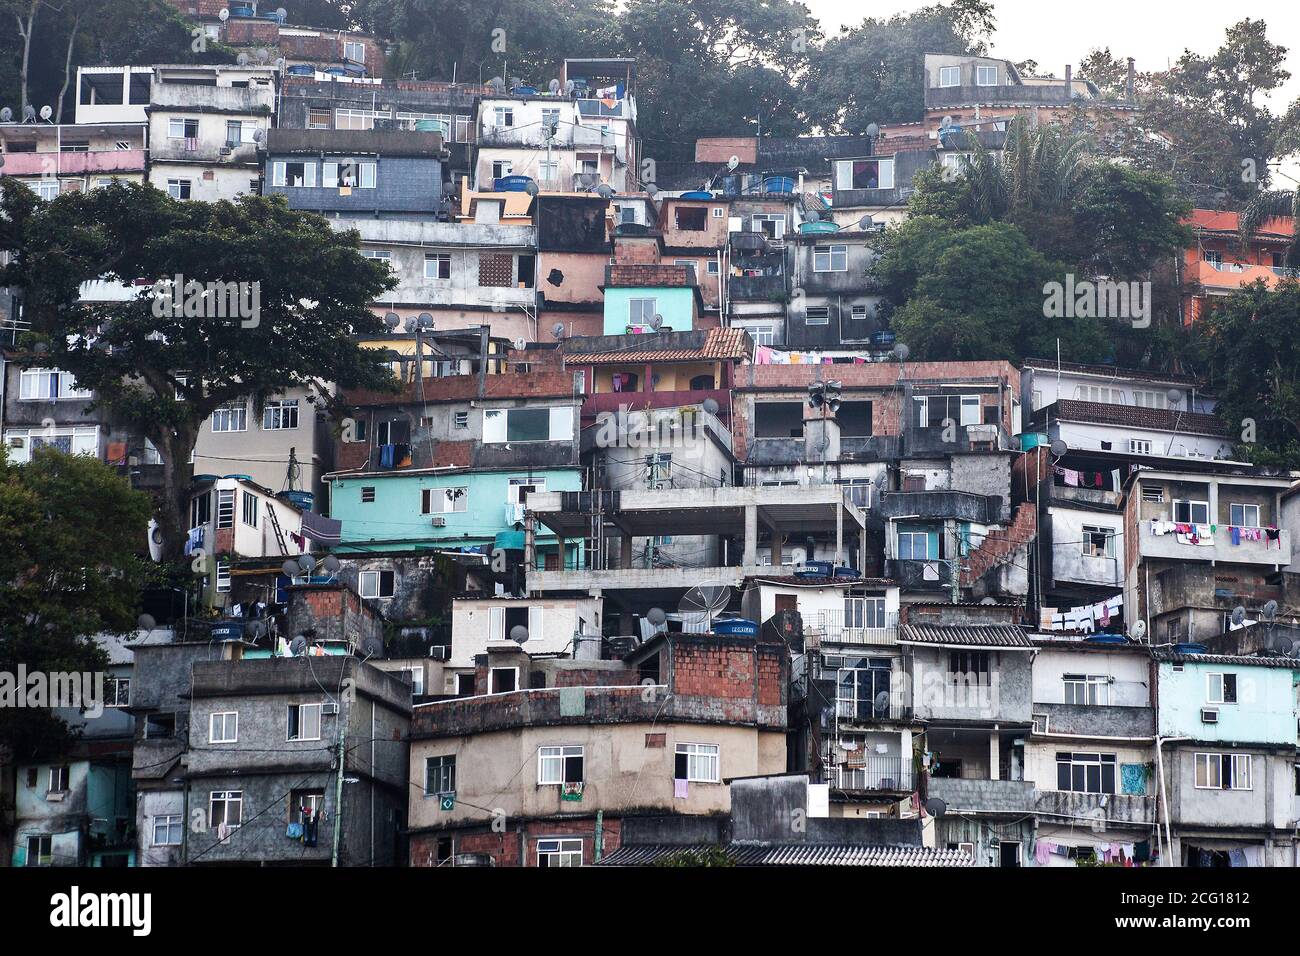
986,76
440,774
559,765
567,852
226,808
950,76
1243,516
833,258
280,414
303,722
223,727
1191,512
231,418
1085,772
698,763
167,830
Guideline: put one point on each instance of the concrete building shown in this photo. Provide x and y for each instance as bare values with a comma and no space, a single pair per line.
604,741
113,94
52,159
204,124
1218,263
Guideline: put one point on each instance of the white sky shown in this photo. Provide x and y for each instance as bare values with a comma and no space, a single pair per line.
1153,32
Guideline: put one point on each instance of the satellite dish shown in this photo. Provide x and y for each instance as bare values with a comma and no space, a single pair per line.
289,569
2,162
519,634
282,13
901,351
307,563
1174,396
531,188
281,63
410,324
935,807
259,136
651,190
1139,629
946,122
424,320
372,647
1238,615
392,320
1282,644
298,646
521,343
497,84
733,162
262,54
705,599
6,115
242,59
866,222
146,622
873,130
553,86
29,113
1269,611
657,322
223,14
656,616
557,330
332,564
604,191
711,406
1059,448
568,86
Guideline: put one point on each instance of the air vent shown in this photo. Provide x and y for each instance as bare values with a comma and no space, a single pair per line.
439,521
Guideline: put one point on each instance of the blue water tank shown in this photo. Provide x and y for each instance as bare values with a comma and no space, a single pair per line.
1190,648
817,569
232,630
736,626
778,184
511,184
301,69
700,194
883,339
303,500
1106,639
846,572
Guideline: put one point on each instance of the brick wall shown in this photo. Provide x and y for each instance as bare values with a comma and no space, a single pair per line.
517,845
199,8
631,250
661,275
252,32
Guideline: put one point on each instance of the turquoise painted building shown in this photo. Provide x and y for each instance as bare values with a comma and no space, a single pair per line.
629,309
445,509
1248,703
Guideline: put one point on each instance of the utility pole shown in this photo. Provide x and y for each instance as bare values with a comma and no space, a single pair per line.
338,789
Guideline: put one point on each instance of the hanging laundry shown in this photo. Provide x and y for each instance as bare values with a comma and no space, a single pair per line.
1042,852
1235,533
681,789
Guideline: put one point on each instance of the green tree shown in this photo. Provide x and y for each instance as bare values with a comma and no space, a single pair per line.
66,571
164,372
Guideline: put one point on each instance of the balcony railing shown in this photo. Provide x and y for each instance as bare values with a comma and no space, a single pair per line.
834,627
876,773
888,705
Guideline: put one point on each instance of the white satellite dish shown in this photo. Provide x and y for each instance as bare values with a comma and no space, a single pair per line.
223,14
1138,630
705,599
520,344
46,112
557,330
733,162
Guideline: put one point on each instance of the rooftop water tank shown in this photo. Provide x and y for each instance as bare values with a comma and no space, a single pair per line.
700,194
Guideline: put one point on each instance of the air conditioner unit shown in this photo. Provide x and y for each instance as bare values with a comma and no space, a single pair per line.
1209,715
439,521
329,709
440,652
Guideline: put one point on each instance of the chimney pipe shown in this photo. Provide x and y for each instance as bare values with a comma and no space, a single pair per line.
1069,81
1128,85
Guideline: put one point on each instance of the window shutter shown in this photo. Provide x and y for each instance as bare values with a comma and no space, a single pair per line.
496,623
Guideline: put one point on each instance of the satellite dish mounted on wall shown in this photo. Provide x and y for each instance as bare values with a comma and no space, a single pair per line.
223,14
873,130
605,191
553,86
557,330
733,162
519,634
705,599
1139,630
6,115
298,646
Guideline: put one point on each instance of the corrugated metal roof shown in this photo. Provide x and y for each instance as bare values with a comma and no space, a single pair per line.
799,854
719,344
1177,657
976,635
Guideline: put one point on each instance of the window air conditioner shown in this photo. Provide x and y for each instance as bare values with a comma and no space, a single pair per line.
1209,715
329,709
439,521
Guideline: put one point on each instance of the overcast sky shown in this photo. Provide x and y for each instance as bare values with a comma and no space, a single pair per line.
1153,32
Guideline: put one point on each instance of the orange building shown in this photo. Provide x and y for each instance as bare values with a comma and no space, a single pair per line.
1218,262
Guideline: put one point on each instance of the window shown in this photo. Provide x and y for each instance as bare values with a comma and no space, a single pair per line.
1098,541
503,117
305,805
950,76
440,774
71,441
303,722
658,468
379,255
560,852
986,76
762,334
641,311
502,168
293,174
503,680
712,266
1221,688
698,763
200,509
280,414
1085,772
223,727
1191,512
238,133
354,51
933,411
43,384
167,830
1145,399
1086,689
914,546
771,225
249,510
57,781
527,424
376,584
417,679
548,172
225,808
230,418
437,501
692,218
864,692
718,212
1139,447
40,850
225,507
1243,516
1153,493
1223,772
817,315
970,667
864,174
831,258
461,419
182,129
1099,393
368,494
863,612
117,692
558,765
318,119
358,119
437,265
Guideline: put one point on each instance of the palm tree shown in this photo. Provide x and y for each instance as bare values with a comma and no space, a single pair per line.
1271,204
1039,171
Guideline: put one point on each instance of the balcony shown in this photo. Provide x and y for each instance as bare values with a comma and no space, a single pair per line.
756,288
893,774
204,151
1227,276
829,627
212,99
1081,808
93,162
958,505
1168,546
603,402
888,705
932,575
997,796
1099,720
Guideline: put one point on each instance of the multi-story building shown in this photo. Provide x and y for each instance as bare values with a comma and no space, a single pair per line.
546,775
53,159
204,129
1219,262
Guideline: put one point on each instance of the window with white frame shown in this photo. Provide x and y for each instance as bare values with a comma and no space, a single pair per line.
440,774
223,727
167,830
117,692
376,584
1139,446
1098,541
1086,689
437,501
461,419
280,414
501,168
248,513
503,117
831,258
231,417
1099,393
1223,771
354,51
437,265
950,76
817,315
57,782
1085,772
75,440
44,384
1191,512
40,850
1220,688
318,119
303,722
559,765
1243,516
225,808
180,188
358,119
417,679
503,680
771,225
178,128
1155,493
560,852
225,507
641,311
914,546
986,76
864,612
1146,399
762,334
698,763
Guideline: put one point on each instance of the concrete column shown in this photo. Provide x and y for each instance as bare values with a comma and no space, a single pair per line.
1214,503
560,543
995,754
751,535
778,540
625,553
839,533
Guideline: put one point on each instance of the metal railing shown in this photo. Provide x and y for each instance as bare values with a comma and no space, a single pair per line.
876,773
834,627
